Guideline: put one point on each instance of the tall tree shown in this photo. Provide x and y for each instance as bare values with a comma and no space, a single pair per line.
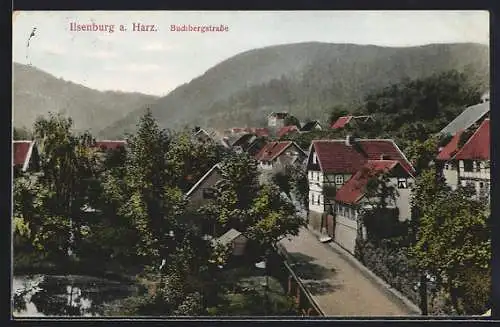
453,236
153,202
274,218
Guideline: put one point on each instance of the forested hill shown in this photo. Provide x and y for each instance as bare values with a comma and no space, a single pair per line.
37,92
306,79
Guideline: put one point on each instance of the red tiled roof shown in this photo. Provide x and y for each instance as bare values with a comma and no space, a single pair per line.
354,189
451,148
262,132
109,144
271,150
21,152
341,122
478,146
335,156
287,129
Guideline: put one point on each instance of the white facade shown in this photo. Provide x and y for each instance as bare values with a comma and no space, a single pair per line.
450,174
477,174
346,226
347,215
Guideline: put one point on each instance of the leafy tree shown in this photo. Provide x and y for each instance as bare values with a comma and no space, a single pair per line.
189,159
274,218
380,220
235,193
422,153
153,202
452,234
67,165
291,120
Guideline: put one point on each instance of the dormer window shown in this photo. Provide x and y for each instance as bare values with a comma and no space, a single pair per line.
402,184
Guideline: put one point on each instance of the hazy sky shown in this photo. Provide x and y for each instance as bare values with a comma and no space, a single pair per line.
157,62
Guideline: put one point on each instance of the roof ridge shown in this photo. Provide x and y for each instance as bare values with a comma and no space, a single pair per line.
471,137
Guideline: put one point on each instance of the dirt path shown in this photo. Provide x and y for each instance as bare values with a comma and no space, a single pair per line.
339,288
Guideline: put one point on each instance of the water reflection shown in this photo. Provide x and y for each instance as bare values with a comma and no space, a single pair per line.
43,295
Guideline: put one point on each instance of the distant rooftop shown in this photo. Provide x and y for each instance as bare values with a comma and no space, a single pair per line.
467,118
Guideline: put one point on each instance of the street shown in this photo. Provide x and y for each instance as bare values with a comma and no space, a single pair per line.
339,288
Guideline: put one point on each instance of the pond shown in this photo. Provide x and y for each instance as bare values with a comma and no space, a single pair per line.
51,295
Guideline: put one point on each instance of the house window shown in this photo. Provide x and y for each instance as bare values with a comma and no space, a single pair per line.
446,166
339,179
402,183
312,198
315,158
468,165
208,193
319,199
317,176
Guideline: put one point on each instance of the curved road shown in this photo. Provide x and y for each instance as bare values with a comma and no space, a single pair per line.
339,288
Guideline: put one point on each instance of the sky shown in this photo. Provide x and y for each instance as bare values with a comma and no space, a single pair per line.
156,62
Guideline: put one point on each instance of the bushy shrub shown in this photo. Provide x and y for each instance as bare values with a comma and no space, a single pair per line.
391,264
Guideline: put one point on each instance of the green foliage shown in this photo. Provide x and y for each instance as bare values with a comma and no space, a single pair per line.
452,233
189,160
392,264
274,216
422,153
291,120
299,184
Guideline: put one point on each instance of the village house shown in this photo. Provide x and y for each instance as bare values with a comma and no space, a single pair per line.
474,161
202,135
233,239
343,121
470,116
277,155
277,119
199,195
446,161
203,190
311,126
256,146
352,197
331,163
25,156
242,143
470,164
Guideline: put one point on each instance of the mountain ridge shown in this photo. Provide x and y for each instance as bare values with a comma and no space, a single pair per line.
242,89
36,92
